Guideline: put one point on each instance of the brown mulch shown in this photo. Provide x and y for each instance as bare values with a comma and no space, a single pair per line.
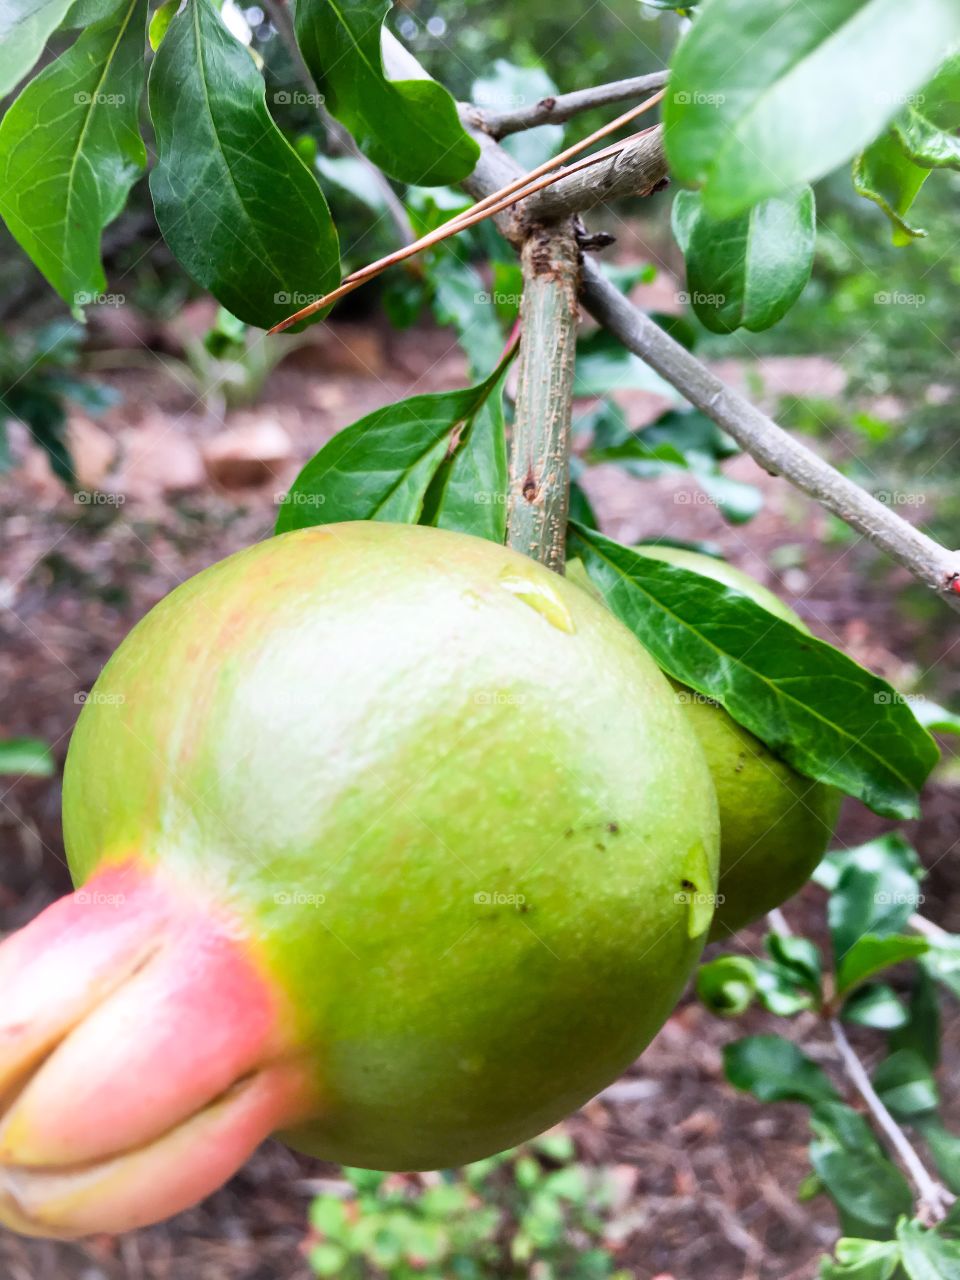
716,1174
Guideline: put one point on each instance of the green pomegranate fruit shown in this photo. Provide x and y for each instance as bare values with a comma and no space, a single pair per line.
387,838
775,824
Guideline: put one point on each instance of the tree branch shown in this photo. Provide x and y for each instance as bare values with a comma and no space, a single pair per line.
540,445
934,1199
775,450
635,169
565,105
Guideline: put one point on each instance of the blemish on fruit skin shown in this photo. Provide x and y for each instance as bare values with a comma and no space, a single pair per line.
697,891
539,596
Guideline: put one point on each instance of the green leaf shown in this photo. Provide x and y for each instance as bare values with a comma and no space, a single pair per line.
928,127
886,856
461,299
25,27
870,902
409,128
774,1070
877,1006
944,1148
763,97
861,1260
927,1255
800,957
942,961
921,1031
819,710
160,22
469,491
70,150
748,271
885,174
779,992
870,955
869,1191
906,1085
727,985
381,467
26,757
935,718
236,205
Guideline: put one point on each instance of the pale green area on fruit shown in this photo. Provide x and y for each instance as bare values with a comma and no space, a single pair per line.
458,826
775,824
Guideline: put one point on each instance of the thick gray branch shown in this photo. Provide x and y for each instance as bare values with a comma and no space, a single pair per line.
634,171
775,450
540,445
565,105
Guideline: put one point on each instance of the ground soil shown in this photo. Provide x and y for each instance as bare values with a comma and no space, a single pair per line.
713,1176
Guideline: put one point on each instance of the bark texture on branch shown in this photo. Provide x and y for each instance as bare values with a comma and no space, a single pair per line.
635,171
540,447
564,106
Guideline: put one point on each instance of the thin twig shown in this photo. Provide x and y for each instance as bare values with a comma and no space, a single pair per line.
564,106
934,1199
492,204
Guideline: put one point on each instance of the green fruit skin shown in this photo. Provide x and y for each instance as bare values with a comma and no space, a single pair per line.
347,736
775,824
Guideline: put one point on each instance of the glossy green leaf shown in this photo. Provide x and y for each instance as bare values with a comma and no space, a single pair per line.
927,1255
862,1260
799,956
160,21
727,985
780,993
747,271
935,718
870,902
944,1148
928,126
763,97
775,1070
25,27
871,955
876,1006
906,1085
886,856
409,128
26,757
885,174
942,961
382,466
827,716
236,205
921,1030
870,1192
469,490
70,150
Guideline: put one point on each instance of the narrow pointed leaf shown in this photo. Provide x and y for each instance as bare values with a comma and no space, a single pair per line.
871,955
748,271
469,490
409,128
381,467
811,704
25,27
885,174
70,150
763,97
234,201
